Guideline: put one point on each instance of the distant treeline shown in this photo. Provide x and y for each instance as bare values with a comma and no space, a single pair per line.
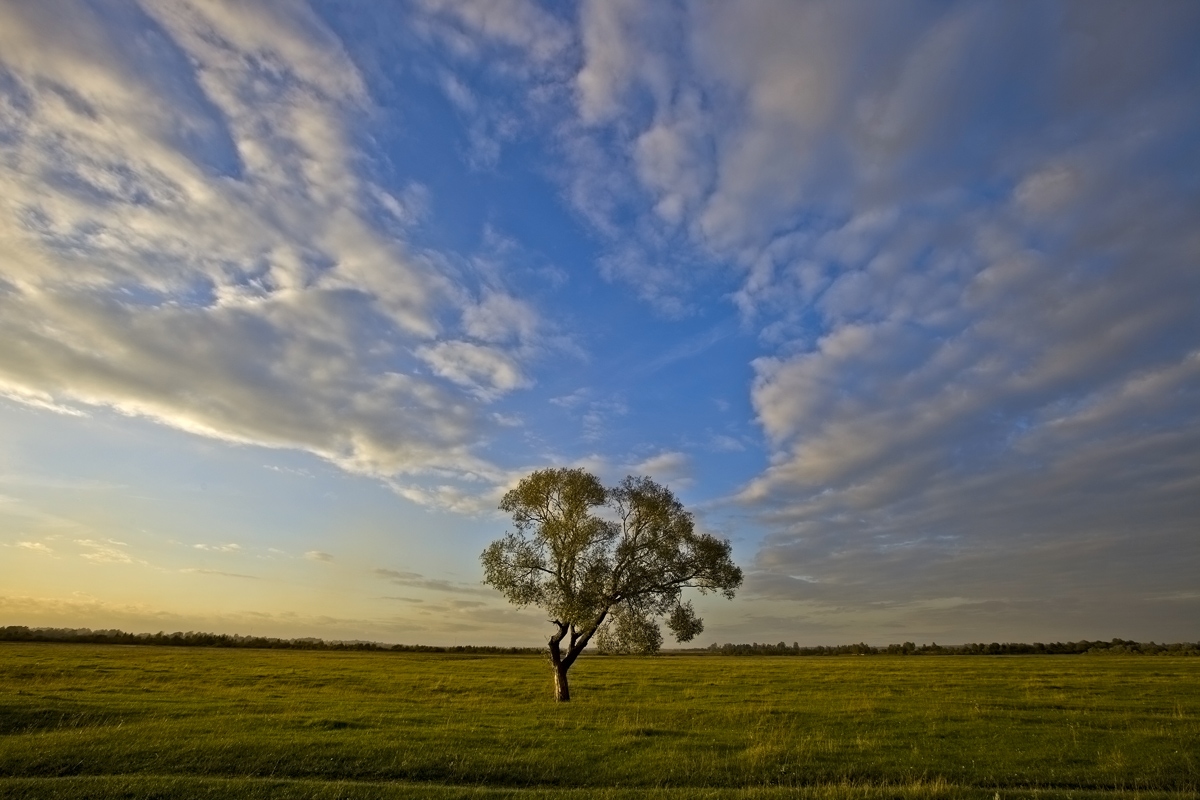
20,633
1082,647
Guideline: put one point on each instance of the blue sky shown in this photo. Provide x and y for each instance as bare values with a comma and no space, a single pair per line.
903,299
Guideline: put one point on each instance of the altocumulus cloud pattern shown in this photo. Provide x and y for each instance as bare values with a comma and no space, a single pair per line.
904,297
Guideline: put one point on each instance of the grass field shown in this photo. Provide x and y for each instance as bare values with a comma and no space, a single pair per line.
109,721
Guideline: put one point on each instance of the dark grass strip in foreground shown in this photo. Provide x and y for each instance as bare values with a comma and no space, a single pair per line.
145,787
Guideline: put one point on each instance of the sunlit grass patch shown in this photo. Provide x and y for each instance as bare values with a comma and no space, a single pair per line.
96,721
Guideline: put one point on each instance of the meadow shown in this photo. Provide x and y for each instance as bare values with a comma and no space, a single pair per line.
105,721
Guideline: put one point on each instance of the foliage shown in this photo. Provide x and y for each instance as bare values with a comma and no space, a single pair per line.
621,572
1081,647
21,633
90,721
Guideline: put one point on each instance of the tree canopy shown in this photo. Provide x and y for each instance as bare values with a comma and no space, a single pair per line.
605,561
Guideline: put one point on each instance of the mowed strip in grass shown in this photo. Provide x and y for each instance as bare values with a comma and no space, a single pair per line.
113,721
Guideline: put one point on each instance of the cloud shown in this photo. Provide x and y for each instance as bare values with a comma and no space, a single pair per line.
515,23
467,498
964,238
179,183
501,318
968,256
42,400
572,400
317,555
594,413
197,571
609,57
657,282
597,416
418,581
723,443
37,547
666,467
107,551
301,473
232,547
408,207
487,371
671,161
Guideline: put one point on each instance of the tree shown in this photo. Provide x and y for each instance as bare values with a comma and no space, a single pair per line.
613,574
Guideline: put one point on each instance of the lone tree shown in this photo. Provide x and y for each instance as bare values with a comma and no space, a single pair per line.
612,574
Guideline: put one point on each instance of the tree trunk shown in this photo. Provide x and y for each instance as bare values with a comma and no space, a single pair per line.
562,692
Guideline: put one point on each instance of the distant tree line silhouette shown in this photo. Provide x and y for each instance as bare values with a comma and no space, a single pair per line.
1082,647
21,633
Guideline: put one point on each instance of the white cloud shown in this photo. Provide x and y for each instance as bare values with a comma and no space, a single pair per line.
408,208
572,400
39,399
668,467
231,547
188,239
1048,190
317,555
501,318
659,283
517,23
106,551
723,443
486,370
609,57
671,160
458,94
597,415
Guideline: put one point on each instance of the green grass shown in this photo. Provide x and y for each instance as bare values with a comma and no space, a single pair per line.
109,721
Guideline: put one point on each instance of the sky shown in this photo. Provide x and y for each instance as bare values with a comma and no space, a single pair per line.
902,299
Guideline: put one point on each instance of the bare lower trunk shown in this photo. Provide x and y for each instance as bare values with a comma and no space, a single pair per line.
562,692
575,644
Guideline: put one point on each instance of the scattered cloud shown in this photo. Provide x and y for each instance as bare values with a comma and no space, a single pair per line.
35,399
106,551
467,498
723,443
487,371
515,23
219,548
303,473
197,571
419,581
595,418
408,207
668,467
317,555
